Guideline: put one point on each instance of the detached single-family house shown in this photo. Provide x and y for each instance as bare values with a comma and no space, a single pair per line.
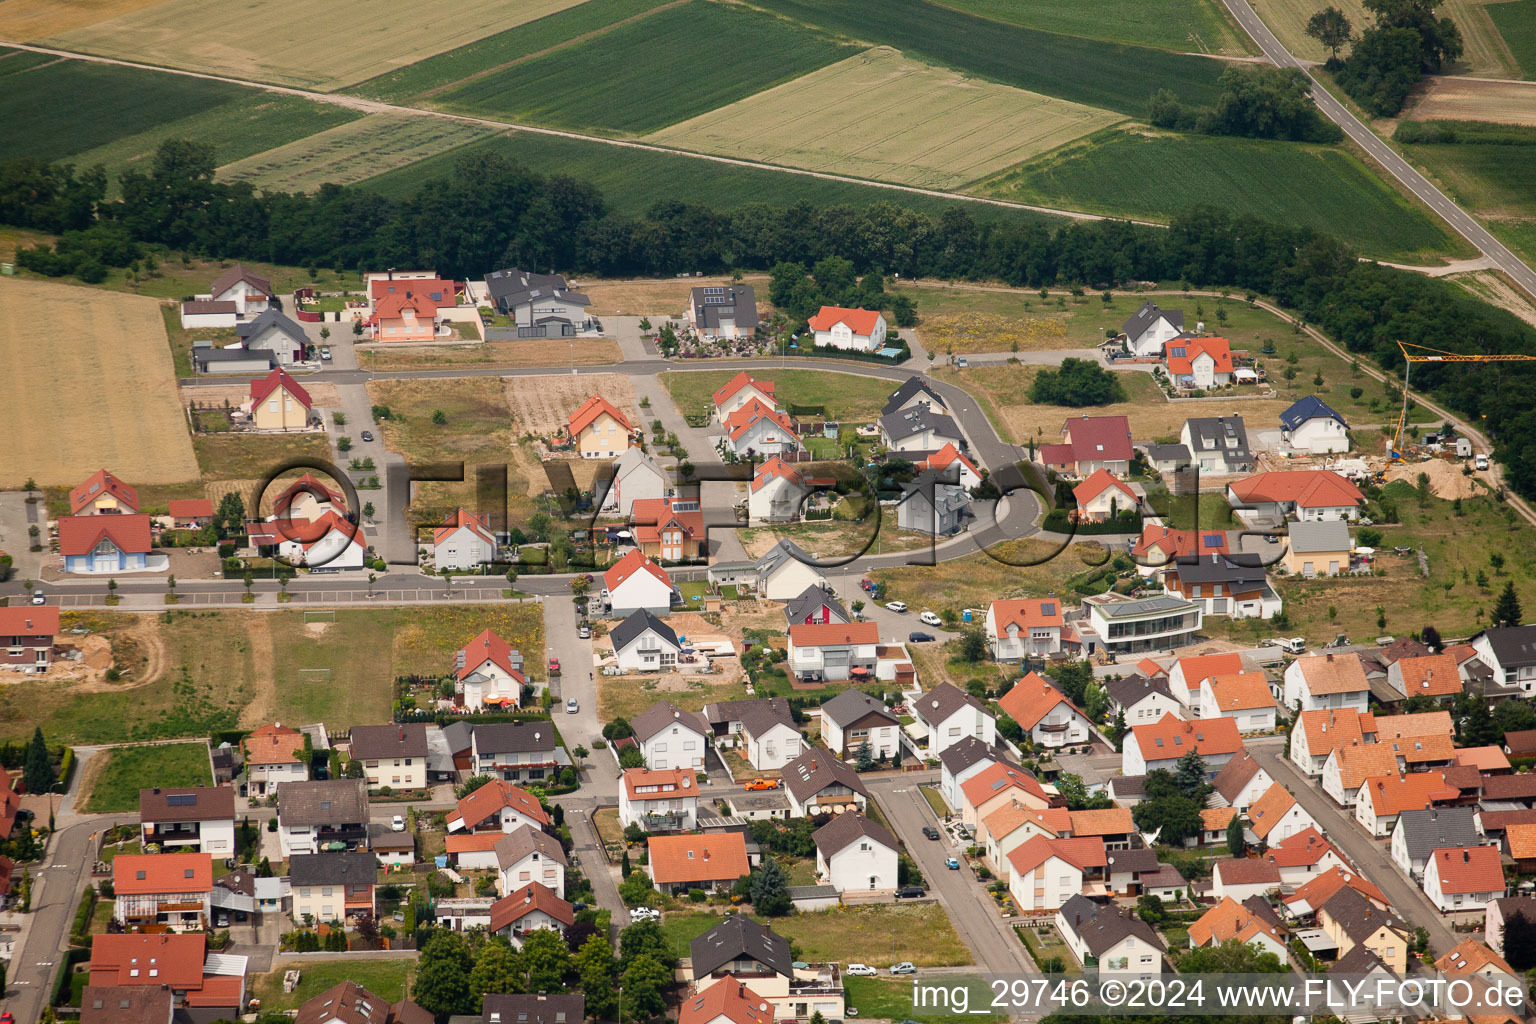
163,891
279,403
598,429
1187,674
723,311
662,800
1046,873
914,392
519,751
1420,831
1310,426
853,854
1498,914
1168,459
853,720
1307,494
1244,877
1464,878
1148,748
1045,714
102,494
635,583
1319,733
1243,697
1217,444
105,544
1232,585
854,330
962,762
728,1003
1240,783
815,606
777,492
738,392
1101,497
997,785
818,783
497,806
348,1002
1317,548
316,815
1276,816
1323,682
636,477
930,505
1023,629
1350,919
708,861
669,529
540,305
274,334
329,542
463,541
197,819
1149,328
406,316
785,571
248,290
530,909
945,715
204,313
333,886
1509,651
1159,545
644,643
966,473
760,429
670,737
919,428
26,637
529,854
740,948
1230,920
489,673
1090,443
1436,676
764,730
1140,699
393,756
274,754
1109,937
1198,363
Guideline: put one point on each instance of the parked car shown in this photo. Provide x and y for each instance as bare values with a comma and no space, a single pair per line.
571,706
38,598
325,354
952,863
929,832
911,892
930,619
367,435
554,666
644,914
920,638
397,823
896,606
962,362
756,784
905,967
584,632
1480,461
861,971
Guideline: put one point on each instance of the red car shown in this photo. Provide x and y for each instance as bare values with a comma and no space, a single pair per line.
554,666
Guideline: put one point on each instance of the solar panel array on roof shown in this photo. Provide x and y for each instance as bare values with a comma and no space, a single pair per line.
1047,607
181,800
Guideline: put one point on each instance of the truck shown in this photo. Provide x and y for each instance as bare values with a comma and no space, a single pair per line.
1289,644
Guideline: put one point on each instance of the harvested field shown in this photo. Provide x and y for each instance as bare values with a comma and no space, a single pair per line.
291,42
880,115
527,352
1467,99
107,361
28,20
352,152
542,405
657,297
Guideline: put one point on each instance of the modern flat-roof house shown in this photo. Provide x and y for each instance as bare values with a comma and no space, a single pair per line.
197,819
1218,444
328,814
26,637
1029,628
1125,625
540,305
723,311
854,721
1312,427
393,756
1090,443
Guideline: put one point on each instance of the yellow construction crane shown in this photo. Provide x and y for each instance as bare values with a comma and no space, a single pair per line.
1435,355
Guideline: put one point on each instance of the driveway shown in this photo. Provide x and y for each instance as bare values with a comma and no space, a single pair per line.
16,515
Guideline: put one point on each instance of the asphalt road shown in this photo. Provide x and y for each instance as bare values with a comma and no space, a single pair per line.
1384,155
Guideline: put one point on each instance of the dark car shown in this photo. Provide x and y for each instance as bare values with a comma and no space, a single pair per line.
367,435
911,892
929,832
920,638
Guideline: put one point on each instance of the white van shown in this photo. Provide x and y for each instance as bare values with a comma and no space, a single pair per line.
1480,461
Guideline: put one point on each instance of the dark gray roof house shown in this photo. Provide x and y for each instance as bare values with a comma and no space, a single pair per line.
917,387
850,828
513,287
194,803
1103,926
209,359
739,939
533,1008
376,742
1513,646
957,757
323,802
358,867
1357,916
1224,434
271,319
519,843
939,704
713,305
514,737
1361,959
1128,691
1175,453
905,423
810,602
852,706
640,620
1425,831
784,551
662,714
1149,314
814,771
756,716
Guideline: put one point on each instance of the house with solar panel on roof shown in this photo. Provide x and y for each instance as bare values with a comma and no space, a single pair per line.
723,311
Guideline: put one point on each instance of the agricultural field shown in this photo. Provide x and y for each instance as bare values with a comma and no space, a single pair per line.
102,392
352,152
1467,99
1157,175
1495,183
113,784
634,180
847,397
103,102
880,115
423,79
1051,63
16,61
1516,22
238,129
646,74
324,47
1187,26
1486,53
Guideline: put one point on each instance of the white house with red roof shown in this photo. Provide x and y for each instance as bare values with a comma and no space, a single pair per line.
1464,878
26,637
404,317
777,492
1304,855
497,806
489,672
1045,714
532,908
278,402
1029,628
169,891
463,541
1090,443
201,987
1101,497
1046,873
1159,545
1148,748
940,460
635,583
833,651
1187,673
102,544
327,543
1198,362
103,494
740,390
598,429
759,429
854,330
1311,495
659,800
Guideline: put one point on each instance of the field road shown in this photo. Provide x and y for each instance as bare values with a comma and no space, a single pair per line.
1385,155
376,107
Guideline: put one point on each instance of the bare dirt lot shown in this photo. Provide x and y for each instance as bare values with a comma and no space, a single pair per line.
99,389
1469,99
542,405
529,352
1446,480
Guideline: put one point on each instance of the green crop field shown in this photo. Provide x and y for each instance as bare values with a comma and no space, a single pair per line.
238,129
1495,183
1197,26
1516,22
648,73
69,106
1099,74
879,115
353,151
1160,176
633,180
15,61
502,48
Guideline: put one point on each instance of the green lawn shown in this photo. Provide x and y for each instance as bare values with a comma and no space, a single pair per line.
1159,176
891,998
252,456
127,770
384,978
881,934
1516,22
1196,26
645,74
1194,512
846,397
974,581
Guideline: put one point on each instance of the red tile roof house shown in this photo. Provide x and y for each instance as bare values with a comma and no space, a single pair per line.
635,582
288,405
1311,495
190,513
833,651
1150,747
759,429
498,806
1101,497
1464,878
489,671
103,494
404,317
163,891
1029,628
100,545
669,529
1090,443
26,637
529,909
1199,362
697,861
463,541
856,330
205,987
740,390
1045,714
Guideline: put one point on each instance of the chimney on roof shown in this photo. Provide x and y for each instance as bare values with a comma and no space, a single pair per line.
1330,656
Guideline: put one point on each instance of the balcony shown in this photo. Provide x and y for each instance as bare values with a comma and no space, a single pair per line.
663,823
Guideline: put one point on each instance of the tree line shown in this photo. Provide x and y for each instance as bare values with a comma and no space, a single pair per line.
491,212
1407,40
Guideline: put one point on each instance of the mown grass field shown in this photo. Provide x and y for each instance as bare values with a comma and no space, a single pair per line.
384,978
70,106
847,397
353,151
1108,75
647,73
1516,22
633,180
240,128
297,43
486,54
1159,176
125,770
1189,26
975,580
877,934
880,115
